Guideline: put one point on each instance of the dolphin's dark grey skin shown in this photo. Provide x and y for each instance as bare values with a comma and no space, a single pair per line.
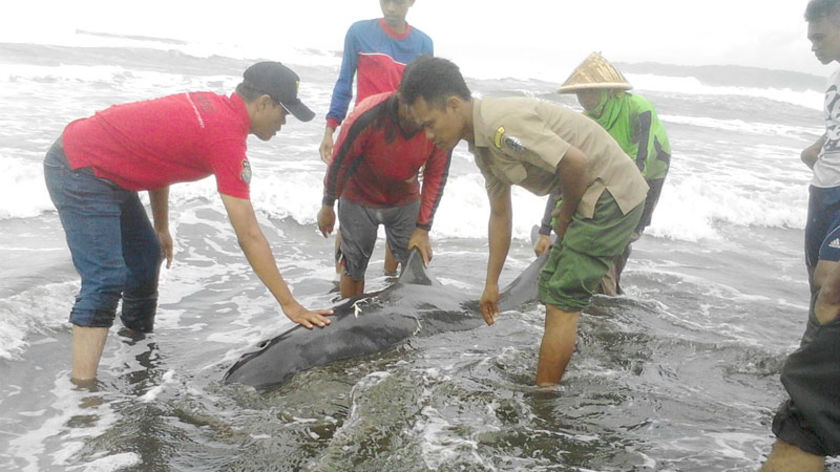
416,305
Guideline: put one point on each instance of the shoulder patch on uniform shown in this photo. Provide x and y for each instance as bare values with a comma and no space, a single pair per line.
501,141
497,139
246,171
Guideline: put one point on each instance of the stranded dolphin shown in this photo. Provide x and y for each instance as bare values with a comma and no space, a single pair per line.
416,305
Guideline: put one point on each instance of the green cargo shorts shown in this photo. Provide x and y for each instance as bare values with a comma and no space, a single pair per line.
578,262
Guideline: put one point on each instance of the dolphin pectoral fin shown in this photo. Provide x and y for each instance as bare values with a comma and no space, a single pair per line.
414,271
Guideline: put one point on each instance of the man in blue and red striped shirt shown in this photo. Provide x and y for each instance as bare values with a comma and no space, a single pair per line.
376,52
374,175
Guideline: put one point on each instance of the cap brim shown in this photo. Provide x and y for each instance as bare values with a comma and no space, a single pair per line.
299,110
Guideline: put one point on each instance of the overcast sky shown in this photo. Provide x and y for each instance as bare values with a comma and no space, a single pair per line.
763,33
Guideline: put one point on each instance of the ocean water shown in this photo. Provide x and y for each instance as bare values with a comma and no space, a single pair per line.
679,374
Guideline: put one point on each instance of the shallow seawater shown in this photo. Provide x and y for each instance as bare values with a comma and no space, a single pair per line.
671,376
681,373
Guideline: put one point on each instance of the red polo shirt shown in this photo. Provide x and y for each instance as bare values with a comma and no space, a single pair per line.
155,143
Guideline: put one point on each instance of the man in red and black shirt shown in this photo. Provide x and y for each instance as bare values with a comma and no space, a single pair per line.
375,52
374,175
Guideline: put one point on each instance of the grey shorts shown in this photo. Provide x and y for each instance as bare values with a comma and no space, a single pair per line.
810,420
359,224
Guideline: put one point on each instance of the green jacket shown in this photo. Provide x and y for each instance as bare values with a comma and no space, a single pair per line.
632,121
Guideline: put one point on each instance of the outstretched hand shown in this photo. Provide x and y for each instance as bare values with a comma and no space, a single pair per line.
489,303
326,220
307,318
420,240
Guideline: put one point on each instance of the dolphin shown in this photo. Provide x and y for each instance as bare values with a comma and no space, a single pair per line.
415,305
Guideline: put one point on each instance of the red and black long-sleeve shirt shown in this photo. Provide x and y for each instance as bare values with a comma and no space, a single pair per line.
375,163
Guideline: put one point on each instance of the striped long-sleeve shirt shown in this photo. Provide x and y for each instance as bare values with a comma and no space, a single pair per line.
377,55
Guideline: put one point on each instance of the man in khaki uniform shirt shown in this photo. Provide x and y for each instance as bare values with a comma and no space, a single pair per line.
541,147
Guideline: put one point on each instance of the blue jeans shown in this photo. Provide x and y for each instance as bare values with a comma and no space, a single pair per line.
115,249
823,217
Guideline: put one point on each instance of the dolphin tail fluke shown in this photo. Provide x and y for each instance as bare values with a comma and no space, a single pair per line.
535,233
523,289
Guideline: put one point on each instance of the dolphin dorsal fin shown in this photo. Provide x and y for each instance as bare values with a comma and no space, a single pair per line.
414,271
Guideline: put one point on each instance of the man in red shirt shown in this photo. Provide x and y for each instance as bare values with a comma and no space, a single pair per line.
374,174
94,171
375,52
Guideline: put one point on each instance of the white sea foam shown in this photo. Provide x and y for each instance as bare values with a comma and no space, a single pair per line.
288,175
741,126
154,392
139,82
741,191
22,190
690,205
691,208
110,463
440,446
693,86
518,63
31,447
32,310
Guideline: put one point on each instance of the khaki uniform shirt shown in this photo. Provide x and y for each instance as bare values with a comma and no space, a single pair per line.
520,141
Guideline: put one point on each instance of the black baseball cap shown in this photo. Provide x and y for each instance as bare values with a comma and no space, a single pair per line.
281,83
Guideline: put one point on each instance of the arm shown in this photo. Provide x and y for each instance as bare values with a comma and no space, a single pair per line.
340,170
159,201
434,180
499,229
654,190
653,149
810,154
642,134
256,249
653,157
550,205
326,215
327,146
342,94
574,179
543,242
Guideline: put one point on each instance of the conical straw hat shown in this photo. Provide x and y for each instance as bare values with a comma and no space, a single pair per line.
594,72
